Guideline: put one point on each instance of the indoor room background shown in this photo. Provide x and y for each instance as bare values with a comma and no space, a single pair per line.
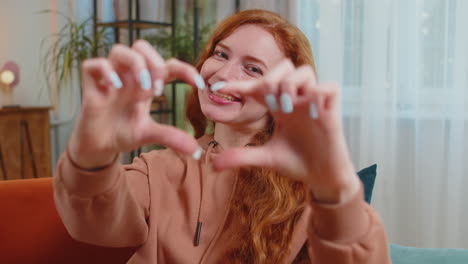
402,66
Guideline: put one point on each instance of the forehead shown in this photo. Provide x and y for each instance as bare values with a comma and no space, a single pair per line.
252,40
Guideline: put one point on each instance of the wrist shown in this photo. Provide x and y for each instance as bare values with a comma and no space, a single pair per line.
91,166
86,159
338,193
340,186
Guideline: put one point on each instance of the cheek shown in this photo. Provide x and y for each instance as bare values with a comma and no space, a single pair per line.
202,97
209,67
251,105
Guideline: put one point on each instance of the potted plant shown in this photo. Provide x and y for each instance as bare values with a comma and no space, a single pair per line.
66,50
183,45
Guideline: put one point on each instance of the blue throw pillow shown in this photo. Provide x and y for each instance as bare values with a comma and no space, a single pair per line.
367,177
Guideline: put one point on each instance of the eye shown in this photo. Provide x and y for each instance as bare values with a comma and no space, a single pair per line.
220,54
254,69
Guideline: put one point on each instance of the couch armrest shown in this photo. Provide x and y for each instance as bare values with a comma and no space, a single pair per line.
31,230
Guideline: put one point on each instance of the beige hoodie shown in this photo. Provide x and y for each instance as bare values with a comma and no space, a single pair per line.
156,202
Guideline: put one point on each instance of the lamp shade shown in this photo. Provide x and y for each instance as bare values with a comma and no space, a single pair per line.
8,69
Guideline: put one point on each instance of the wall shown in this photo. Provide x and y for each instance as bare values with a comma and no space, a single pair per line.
23,28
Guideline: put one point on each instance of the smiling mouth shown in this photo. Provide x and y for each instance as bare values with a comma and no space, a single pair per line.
226,96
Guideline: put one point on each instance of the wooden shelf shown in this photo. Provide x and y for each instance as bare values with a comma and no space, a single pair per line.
24,143
23,109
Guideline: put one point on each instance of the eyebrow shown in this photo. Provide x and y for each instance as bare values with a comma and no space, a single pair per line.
249,57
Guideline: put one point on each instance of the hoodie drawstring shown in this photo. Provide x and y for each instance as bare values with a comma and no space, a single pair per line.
198,230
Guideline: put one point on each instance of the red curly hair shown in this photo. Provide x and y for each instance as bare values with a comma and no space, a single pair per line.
266,204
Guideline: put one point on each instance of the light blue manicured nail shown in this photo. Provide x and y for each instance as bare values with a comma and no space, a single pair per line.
145,79
286,103
215,87
199,81
197,154
159,85
116,82
271,102
313,111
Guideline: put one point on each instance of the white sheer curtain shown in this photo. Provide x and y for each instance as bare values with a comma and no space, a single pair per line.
403,67
227,8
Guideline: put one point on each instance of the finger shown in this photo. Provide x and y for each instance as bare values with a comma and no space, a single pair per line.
264,90
262,86
172,137
330,97
244,87
259,89
155,64
185,72
243,157
321,100
102,73
273,80
298,83
276,74
122,57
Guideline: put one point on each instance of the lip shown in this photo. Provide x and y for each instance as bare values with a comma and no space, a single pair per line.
220,100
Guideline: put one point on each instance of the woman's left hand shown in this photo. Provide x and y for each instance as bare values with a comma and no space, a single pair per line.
308,142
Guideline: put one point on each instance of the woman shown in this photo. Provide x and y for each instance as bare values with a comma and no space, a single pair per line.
272,182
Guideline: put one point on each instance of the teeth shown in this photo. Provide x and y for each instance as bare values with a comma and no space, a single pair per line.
224,96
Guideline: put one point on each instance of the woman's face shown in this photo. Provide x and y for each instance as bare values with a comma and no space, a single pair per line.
248,53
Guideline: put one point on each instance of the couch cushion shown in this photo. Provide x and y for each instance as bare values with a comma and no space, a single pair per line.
412,255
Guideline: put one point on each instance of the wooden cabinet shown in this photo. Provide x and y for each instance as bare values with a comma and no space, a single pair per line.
24,143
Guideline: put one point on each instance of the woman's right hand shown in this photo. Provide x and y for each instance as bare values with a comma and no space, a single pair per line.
117,97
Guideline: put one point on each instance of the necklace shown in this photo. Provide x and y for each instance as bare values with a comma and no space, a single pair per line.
215,144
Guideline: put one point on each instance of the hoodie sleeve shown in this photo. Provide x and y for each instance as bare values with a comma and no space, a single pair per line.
347,233
108,207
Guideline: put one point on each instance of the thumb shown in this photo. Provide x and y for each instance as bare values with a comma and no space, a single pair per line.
243,157
171,137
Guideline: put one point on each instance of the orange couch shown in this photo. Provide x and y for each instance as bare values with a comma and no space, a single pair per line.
31,230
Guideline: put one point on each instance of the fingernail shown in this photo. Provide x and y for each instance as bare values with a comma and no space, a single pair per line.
313,111
159,85
145,79
197,154
286,103
271,102
199,81
215,87
116,82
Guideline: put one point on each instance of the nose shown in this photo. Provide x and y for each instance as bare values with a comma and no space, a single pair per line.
229,71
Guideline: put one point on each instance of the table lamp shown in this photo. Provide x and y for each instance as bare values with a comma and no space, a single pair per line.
9,78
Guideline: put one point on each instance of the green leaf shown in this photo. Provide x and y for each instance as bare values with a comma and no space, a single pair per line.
66,49
66,65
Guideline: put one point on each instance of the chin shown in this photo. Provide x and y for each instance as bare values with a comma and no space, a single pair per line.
236,120
218,116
